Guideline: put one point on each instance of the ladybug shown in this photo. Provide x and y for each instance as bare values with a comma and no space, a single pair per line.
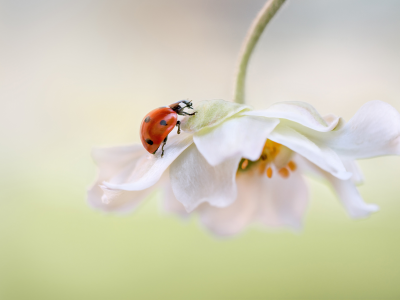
159,123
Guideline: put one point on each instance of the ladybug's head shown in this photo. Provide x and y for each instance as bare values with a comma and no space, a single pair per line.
179,106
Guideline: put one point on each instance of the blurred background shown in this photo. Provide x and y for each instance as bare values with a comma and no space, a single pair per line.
79,73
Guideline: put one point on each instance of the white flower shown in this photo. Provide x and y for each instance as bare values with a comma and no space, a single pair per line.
234,165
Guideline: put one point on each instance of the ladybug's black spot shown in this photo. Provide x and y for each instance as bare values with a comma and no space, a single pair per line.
163,122
149,141
147,120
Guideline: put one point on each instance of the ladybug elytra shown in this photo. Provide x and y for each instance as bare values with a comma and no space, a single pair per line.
160,122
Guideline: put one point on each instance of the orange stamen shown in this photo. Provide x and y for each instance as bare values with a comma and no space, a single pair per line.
245,163
269,172
268,155
292,166
284,172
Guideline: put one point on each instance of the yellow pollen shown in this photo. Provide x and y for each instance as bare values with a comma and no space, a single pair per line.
292,166
270,150
245,163
284,172
269,172
268,155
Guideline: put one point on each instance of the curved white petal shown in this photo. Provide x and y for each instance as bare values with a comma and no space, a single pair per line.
112,162
230,220
345,190
298,112
352,166
150,167
284,201
351,198
333,120
241,136
322,156
115,201
274,201
170,204
373,131
194,181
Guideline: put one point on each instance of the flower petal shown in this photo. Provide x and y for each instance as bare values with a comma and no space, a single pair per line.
351,198
230,220
345,190
211,113
298,112
238,136
150,168
322,156
115,201
274,201
352,166
170,204
194,181
373,131
284,200
111,162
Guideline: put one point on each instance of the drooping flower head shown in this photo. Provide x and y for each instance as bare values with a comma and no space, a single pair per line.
234,165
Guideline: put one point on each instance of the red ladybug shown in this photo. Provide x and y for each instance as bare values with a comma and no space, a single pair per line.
159,123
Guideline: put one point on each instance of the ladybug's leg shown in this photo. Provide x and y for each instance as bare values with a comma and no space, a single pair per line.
164,142
178,123
187,114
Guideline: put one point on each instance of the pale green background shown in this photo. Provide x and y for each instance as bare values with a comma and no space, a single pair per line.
74,74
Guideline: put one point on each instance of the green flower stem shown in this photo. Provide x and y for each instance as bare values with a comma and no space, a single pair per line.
256,29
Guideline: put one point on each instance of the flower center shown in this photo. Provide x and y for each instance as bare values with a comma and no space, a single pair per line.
274,158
